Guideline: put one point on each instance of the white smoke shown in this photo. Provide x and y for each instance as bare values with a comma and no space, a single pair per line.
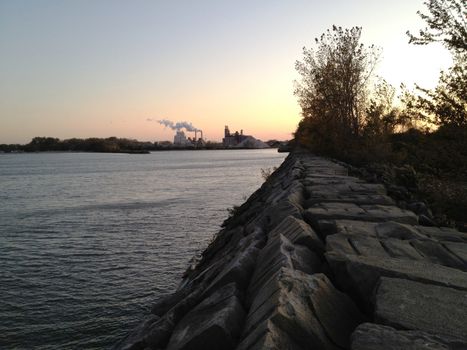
176,126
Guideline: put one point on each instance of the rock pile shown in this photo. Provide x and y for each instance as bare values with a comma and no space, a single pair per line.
317,259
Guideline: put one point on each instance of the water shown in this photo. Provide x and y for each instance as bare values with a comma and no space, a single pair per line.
88,241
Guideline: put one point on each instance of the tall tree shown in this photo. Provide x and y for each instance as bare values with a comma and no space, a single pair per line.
333,90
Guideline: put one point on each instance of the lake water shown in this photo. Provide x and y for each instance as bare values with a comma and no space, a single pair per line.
88,241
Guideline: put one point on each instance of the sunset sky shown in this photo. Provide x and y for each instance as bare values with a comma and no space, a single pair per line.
99,68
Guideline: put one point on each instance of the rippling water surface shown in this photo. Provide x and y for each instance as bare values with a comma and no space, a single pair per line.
88,241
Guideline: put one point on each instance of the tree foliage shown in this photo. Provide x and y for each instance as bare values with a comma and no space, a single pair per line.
447,24
382,117
447,103
333,90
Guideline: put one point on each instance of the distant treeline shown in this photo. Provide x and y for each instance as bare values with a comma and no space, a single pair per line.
107,145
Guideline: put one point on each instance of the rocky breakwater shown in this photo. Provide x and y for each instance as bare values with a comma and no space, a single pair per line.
317,259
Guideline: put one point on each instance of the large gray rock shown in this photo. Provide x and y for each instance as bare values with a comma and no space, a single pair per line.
401,249
438,254
323,197
240,267
347,188
368,246
329,180
213,324
444,234
267,336
389,229
278,253
299,232
417,306
399,241
458,248
274,214
350,211
359,274
339,244
306,307
369,336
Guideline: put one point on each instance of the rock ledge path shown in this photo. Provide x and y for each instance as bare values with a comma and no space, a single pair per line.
317,259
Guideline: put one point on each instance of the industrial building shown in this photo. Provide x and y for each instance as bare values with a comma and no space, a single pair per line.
238,140
180,139
232,140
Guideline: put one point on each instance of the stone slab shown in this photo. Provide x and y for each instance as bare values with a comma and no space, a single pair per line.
444,234
280,252
307,308
213,324
359,275
299,232
348,198
268,336
370,336
368,246
458,248
417,306
339,244
350,211
436,253
401,249
349,188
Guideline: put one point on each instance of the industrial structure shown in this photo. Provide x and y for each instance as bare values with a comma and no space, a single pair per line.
180,139
232,140
238,140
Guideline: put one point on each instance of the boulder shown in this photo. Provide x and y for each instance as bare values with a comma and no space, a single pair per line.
299,232
459,249
347,188
369,336
239,269
401,249
418,306
350,211
267,336
274,214
359,274
339,244
368,246
215,323
438,254
280,252
322,197
307,308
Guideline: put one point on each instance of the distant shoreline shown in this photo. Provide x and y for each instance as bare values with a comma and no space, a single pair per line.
139,152
118,145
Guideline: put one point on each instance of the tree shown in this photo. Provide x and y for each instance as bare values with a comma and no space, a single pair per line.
382,118
446,24
447,103
333,90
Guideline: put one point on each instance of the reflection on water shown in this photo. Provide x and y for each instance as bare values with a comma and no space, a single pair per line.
88,241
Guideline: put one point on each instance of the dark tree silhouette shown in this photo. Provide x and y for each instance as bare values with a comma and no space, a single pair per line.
333,90
446,105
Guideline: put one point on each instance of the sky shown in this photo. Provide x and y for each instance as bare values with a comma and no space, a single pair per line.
101,68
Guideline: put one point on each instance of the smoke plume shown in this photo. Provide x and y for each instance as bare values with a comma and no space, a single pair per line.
177,126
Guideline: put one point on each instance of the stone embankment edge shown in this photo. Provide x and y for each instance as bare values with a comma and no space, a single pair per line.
317,259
